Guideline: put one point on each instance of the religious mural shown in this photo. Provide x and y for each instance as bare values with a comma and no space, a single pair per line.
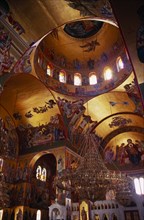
49,133
84,210
47,55
78,124
36,110
6,60
126,155
90,46
83,29
8,138
140,35
58,62
134,94
119,121
93,8
23,65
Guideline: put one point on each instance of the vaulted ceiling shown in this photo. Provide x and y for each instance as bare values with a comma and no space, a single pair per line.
115,108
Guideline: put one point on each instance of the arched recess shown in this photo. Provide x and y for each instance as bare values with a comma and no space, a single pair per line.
40,155
105,217
43,185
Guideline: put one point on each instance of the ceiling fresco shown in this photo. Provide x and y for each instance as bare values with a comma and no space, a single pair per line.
83,29
74,37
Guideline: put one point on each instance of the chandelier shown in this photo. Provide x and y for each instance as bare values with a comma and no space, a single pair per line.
91,179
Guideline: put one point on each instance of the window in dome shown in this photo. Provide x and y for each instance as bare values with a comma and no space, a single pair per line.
107,73
38,215
48,70
92,79
62,76
119,63
77,79
39,61
139,185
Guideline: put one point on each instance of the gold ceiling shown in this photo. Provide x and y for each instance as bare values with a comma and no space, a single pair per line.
24,91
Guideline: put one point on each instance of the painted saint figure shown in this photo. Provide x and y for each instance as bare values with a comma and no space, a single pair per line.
133,153
140,35
83,214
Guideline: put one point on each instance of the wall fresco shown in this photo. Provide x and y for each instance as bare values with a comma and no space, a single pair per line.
125,156
30,136
8,138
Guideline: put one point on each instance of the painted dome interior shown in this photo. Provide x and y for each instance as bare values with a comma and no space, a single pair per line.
52,79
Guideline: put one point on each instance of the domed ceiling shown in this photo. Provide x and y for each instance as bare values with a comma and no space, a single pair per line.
45,110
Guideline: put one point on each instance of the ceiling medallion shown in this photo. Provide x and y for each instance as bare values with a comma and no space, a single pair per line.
83,29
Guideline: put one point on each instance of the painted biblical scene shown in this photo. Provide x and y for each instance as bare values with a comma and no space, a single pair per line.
83,29
129,155
49,133
8,138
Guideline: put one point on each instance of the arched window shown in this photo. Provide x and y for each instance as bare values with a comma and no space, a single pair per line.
41,173
77,79
107,73
105,217
1,214
92,79
139,185
39,61
48,70
62,76
119,64
43,176
1,164
38,215
38,172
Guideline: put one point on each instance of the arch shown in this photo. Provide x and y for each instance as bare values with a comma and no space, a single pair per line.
105,217
107,73
38,215
96,217
55,213
119,64
92,78
77,79
114,216
102,206
62,76
105,206
44,167
38,156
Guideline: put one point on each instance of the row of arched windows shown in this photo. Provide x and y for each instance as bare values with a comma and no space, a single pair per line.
107,73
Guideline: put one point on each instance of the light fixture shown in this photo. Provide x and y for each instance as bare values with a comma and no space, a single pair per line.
91,179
